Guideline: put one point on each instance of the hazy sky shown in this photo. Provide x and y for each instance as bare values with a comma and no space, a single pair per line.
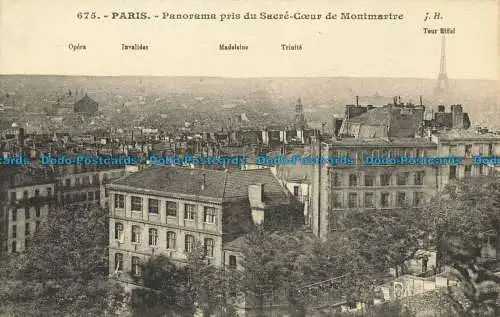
34,39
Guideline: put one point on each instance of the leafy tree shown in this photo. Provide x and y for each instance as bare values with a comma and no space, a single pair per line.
388,238
306,269
63,272
461,223
171,289
165,290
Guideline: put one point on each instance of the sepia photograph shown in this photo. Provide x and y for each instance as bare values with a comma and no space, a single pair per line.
239,158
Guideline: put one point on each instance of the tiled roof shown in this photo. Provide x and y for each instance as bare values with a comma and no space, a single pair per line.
381,141
224,185
236,245
465,134
379,116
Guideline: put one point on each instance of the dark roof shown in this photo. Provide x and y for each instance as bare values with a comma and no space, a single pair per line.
236,245
375,116
219,184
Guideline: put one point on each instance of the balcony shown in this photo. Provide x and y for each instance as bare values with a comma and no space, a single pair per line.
34,201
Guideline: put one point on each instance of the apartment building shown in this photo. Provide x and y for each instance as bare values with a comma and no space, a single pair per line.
466,144
28,206
338,189
78,185
168,210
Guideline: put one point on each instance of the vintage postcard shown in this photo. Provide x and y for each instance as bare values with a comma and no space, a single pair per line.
249,158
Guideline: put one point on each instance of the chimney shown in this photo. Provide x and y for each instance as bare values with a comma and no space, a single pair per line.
256,193
457,116
256,199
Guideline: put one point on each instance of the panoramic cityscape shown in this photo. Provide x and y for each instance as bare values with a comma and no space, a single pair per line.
212,196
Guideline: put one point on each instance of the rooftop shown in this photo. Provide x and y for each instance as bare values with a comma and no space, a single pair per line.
382,142
217,184
458,134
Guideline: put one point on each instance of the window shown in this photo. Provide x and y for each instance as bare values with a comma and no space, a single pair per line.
37,211
86,180
136,266
468,170
209,215
189,212
402,178
77,181
14,246
171,240
14,215
481,170
385,180
171,209
25,194
119,232
67,182
209,247
27,213
353,180
95,179
136,203
232,261
418,199
468,150
369,200
37,226
153,237
90,196
14,232
27,229
401,199
384,200
453,149
105,178
453,172
153,206
353,200
490,149
37,193
119,201
296,191
118,262
13,197
336,181
419,178
337,200
369,180
136,234
188,243
97,195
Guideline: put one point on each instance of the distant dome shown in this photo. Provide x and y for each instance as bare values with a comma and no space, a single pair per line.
14,125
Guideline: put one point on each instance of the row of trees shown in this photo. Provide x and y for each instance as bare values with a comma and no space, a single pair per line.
64,271
455,224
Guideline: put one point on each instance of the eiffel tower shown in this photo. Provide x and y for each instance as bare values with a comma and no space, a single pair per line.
442,86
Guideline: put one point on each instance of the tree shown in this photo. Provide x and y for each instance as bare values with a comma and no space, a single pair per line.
388,238
63,272
461,223
302,267
165,290
174,289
